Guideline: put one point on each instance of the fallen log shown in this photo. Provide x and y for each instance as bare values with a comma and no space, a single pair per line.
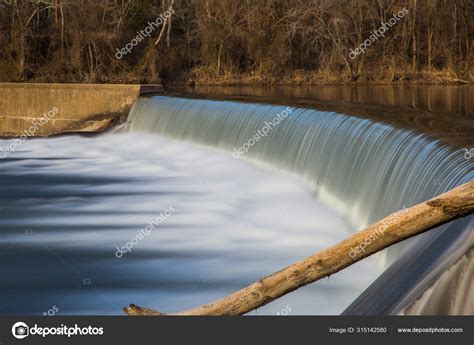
397,227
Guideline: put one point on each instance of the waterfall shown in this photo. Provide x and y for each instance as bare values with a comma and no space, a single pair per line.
364,169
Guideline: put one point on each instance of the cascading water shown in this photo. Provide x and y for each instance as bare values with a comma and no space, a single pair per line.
364,169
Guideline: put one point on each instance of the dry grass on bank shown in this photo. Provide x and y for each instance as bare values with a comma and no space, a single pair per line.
386,75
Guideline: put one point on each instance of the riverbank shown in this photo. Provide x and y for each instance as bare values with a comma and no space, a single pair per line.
382,76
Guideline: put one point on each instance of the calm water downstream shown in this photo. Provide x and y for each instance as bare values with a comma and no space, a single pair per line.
67,204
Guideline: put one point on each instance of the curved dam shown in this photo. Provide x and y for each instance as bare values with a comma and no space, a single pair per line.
363,169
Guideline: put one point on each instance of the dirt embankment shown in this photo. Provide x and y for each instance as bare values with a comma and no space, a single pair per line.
386,76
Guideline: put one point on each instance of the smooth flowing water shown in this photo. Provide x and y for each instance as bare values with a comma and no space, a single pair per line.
67,203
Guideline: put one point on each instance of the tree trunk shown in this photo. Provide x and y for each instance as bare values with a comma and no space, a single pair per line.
219,53
414,43
168,33
430,47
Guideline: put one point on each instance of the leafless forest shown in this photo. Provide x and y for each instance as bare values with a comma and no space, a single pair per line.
236,41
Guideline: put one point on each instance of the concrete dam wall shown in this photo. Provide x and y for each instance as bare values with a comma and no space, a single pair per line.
48,109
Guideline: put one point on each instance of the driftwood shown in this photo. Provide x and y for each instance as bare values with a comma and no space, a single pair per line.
460,81
396,227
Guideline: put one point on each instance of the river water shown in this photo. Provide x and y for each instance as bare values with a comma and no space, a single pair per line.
79,214
67,203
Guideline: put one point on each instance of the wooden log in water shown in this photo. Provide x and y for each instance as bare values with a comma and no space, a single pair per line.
397,227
